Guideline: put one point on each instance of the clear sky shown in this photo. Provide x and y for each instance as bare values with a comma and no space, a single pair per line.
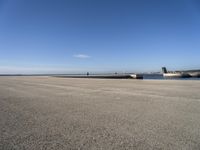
64,36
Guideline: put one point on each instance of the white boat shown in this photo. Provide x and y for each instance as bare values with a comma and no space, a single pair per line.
194,74
167,74
176,75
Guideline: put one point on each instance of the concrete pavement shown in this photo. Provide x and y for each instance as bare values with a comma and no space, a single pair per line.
39,113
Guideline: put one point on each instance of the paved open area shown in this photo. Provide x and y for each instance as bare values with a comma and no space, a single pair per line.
49,113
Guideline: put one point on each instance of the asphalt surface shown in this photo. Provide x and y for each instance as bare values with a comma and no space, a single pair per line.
48,113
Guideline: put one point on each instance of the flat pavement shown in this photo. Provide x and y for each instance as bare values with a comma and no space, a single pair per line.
49,113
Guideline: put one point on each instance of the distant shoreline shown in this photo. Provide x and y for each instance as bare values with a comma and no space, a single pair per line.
146,76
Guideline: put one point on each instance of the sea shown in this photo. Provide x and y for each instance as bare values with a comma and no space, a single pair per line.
145,76
160,77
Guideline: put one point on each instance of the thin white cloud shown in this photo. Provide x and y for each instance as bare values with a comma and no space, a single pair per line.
82,56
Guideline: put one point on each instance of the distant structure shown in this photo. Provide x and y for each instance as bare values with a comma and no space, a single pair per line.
180,74
104,76
164,69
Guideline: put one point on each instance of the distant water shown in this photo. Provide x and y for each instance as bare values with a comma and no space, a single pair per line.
160,77
145,76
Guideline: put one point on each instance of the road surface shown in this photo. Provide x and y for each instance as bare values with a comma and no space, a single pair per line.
49,113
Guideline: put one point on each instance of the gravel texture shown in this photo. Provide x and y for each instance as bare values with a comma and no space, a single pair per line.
49,113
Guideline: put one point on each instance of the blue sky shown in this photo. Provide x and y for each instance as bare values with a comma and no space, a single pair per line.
66,36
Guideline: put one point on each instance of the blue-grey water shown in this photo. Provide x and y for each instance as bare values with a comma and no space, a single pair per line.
160,77
145,76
